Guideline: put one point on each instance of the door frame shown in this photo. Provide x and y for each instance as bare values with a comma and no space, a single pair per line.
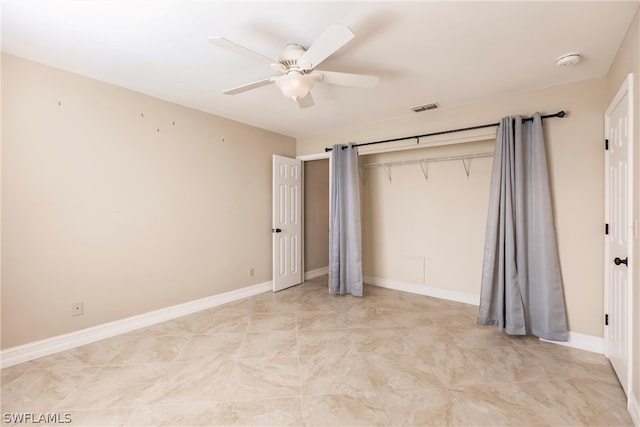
307,158
626,88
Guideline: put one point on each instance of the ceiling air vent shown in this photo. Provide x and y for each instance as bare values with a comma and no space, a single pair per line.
426,107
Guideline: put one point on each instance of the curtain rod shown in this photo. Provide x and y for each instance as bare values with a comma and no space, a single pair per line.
559,114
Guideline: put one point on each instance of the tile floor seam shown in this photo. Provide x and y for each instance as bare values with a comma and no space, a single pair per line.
428,321
86,381
235,364
295,320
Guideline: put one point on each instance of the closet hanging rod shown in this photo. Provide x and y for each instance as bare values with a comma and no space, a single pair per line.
430,159
559,114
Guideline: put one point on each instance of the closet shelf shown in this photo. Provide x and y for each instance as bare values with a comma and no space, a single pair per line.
424,164
429,159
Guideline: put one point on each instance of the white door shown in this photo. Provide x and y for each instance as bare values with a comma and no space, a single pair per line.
618,217
287,222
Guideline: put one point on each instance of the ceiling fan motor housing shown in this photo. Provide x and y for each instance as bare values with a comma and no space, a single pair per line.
290,55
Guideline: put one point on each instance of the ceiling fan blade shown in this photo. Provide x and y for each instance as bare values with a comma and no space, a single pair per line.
279,67
248,86
348,79
306,102
334,37
240,50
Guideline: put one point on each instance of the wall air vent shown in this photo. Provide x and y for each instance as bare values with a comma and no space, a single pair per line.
426,107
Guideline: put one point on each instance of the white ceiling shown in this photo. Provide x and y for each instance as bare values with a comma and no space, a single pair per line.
448,52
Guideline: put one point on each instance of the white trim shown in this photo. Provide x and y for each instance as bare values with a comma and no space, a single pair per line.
409,144
582,342
576,340
24,353
308,275
633,406
427,142
316,156
416,288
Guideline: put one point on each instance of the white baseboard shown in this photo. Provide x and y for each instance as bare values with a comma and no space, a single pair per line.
308,275
24,353
582,342
416,288
634,408
576,340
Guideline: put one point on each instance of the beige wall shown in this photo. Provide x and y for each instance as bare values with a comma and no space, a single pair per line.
575,155
316,214
628,61
429,231
122,201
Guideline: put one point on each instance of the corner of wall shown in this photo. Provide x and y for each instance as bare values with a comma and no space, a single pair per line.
634,408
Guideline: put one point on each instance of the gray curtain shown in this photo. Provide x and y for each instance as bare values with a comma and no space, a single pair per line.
345,253
521,288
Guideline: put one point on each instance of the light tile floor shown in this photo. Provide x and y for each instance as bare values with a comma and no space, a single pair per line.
305,357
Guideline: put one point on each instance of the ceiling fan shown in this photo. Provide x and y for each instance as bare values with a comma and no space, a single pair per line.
297,66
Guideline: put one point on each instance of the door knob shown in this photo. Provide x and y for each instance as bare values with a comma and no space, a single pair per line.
275,230
619,261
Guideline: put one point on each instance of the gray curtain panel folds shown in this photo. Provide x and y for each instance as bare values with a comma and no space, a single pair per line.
521,289
345,247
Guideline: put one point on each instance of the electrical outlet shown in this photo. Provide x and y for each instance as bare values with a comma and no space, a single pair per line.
251,272
77,309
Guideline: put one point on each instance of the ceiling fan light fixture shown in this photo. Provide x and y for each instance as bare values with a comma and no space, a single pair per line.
294,85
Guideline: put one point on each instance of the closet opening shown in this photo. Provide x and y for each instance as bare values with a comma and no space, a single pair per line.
424,213
316,218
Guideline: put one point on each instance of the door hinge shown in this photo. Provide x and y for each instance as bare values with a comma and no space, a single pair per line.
606,144
606,229
606,320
